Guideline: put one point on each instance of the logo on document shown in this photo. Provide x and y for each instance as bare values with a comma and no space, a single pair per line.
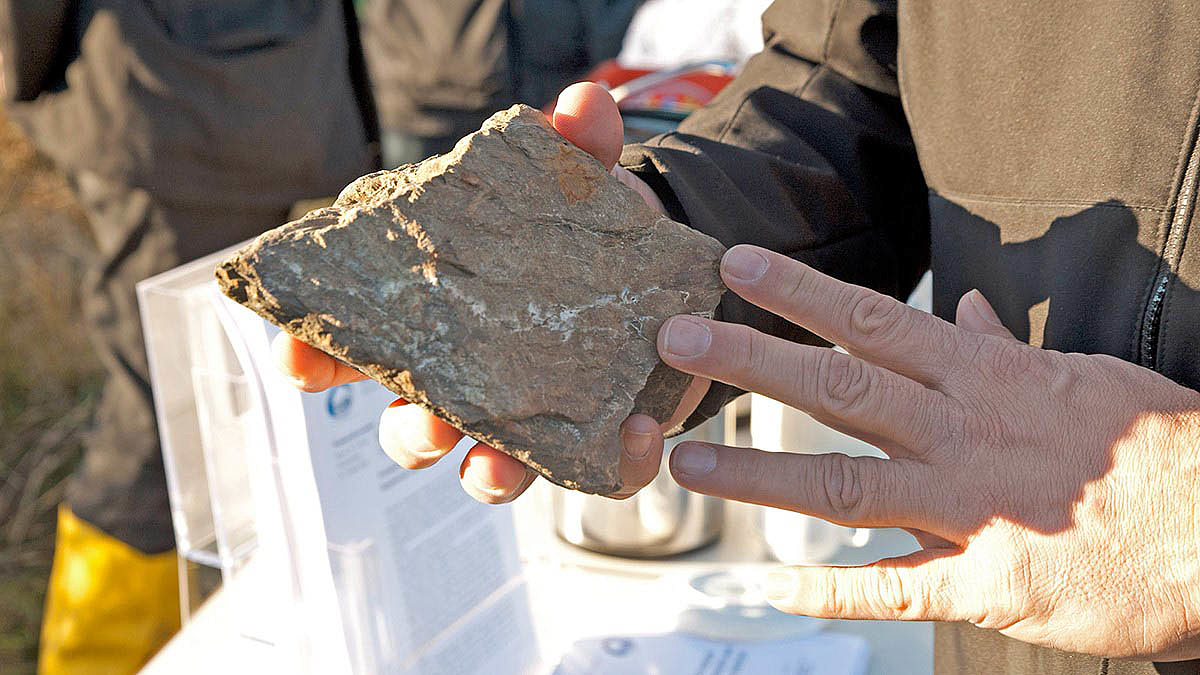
338,400
617,646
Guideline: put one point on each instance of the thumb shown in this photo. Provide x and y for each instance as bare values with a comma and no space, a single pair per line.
586,115
975,314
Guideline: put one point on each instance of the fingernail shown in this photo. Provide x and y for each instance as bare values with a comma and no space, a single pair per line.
744,264
687,337
694,459
779,586
402,440
472,476
498,493
487,489
982,308
638,444
490,494
418,444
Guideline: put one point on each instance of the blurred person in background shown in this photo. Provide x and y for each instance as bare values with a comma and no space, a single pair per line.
701,30
182,128
438,69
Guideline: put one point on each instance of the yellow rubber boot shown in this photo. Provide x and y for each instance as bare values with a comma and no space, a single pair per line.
109,607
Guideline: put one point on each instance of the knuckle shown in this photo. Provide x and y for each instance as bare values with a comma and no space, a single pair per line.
878,316
758,362
838,600
847,488
890,594
947,426
1101,503
1066,383
1009,595
798,289
845,384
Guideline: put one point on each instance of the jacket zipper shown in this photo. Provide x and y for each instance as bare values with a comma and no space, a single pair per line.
1169,265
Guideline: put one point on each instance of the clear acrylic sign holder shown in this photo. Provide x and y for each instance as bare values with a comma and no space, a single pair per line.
327,551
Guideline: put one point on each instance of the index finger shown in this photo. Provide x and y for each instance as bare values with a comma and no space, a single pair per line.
870,325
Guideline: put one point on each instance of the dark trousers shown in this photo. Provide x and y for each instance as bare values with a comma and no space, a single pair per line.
120,486
185,128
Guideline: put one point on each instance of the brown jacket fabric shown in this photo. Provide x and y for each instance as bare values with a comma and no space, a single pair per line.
1043,152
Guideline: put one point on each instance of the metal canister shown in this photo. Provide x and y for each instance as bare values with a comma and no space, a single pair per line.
662,519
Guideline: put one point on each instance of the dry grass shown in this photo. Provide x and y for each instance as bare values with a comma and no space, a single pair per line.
49,380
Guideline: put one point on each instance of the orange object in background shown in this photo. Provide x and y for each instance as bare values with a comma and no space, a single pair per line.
680,91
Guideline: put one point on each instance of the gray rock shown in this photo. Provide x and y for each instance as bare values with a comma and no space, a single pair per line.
513,287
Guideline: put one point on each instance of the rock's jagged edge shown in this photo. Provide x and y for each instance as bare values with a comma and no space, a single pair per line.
660,390
662,383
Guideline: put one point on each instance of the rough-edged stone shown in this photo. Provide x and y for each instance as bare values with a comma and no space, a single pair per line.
513,287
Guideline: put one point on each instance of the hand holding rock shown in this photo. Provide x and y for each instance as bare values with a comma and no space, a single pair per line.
414,438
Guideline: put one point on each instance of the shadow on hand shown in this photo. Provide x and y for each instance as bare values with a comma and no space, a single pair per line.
1081,285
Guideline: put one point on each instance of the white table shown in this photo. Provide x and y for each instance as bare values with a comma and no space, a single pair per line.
612,595
575,594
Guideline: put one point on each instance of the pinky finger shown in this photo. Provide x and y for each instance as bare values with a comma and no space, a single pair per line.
923,586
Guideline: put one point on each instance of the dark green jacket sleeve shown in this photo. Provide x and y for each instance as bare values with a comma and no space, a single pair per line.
807,153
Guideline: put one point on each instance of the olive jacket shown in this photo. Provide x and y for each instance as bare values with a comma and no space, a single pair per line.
1042,152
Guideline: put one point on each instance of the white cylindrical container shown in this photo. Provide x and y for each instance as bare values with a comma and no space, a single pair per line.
796,538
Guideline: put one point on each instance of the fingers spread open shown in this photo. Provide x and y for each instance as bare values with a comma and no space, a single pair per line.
413,437
827,383
854,491
492,477
310,368
930,585
876,327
